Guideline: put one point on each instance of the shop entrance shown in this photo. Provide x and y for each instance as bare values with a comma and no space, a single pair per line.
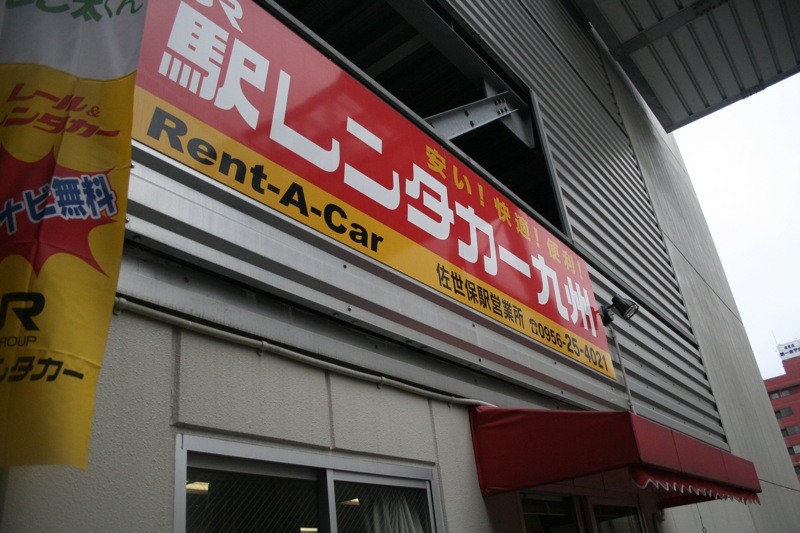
544,513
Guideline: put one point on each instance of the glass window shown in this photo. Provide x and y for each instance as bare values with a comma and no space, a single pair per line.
616,519
774,395
257,489
549,514
232,501
791,430
364,508
781,413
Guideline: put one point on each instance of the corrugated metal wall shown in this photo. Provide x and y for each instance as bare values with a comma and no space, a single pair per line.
610,215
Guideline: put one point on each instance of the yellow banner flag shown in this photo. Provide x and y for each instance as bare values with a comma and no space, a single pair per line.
66,106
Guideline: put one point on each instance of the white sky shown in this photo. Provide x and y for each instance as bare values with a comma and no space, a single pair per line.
744,161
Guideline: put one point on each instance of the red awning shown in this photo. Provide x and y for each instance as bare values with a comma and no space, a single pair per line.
523,448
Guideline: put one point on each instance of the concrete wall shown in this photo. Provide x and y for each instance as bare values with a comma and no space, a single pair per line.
746,414
158,380
129,483
287,402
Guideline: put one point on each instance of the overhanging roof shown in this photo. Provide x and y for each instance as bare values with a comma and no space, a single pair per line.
691,58
517,449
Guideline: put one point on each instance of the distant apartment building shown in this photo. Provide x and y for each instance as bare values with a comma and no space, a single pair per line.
784,393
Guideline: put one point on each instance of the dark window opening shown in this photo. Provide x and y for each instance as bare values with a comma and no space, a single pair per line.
363,508
549,514
522,171
617,519
232,501
791,430
434,77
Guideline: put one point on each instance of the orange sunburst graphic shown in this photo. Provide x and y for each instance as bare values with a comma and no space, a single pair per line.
46,209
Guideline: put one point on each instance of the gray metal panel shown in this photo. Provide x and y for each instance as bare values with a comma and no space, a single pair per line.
567,35
665,372
609,211
690,59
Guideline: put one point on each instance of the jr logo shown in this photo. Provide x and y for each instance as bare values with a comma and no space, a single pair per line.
25,305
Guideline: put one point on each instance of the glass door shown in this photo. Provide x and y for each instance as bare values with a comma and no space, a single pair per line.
544,513
617,519
563,513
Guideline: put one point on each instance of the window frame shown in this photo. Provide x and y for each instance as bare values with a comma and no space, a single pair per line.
584,504
632,503
790,430
237,456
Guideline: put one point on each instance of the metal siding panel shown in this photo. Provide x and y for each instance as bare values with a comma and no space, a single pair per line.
693,55
729,33
791,18
609,212
777,26
662,86
599,200
665,373
618,16
689,240
582,53
624,266
666,8
717,55
641,11
750,19
588,137
612,180
682,77
586,185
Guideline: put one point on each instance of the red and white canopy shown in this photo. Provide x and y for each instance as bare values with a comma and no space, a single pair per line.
524,448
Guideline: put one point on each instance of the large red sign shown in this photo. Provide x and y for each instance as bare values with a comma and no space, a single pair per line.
227,89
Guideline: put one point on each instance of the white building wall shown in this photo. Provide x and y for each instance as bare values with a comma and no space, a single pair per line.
129,483
229,388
